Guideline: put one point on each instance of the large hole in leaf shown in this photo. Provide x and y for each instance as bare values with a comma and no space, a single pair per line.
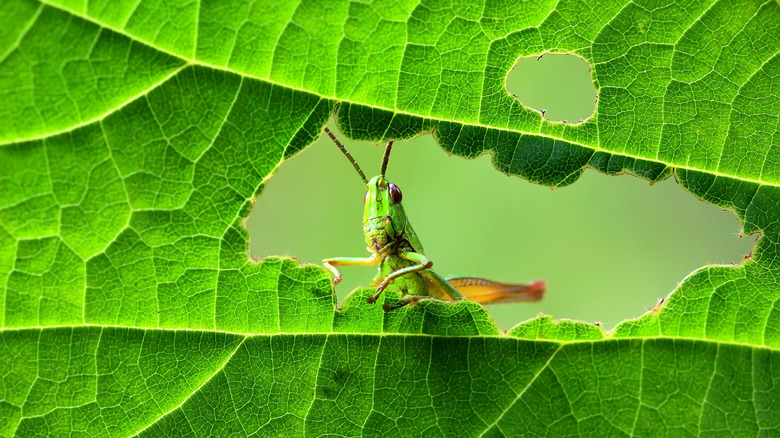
559,86
608,246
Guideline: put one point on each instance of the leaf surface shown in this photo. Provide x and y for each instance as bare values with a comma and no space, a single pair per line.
136,134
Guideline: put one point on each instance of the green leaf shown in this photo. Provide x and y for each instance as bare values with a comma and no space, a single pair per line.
135,136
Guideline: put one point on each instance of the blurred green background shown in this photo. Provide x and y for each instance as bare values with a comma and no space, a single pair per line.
608,246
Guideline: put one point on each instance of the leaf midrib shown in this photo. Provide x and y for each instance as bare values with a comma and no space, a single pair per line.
607,338
189,62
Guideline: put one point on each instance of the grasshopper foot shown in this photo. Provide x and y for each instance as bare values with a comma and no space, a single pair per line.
372,299
398,305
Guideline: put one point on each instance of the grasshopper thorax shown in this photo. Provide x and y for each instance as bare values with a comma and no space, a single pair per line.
384,218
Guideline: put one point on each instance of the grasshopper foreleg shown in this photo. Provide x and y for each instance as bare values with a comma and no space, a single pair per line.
347,261
423,263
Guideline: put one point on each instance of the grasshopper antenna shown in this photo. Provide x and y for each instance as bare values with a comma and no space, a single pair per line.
347,154
386,158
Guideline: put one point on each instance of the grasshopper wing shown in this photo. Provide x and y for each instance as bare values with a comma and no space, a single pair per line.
491,292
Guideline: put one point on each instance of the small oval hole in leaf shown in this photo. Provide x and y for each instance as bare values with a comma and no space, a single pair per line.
557,85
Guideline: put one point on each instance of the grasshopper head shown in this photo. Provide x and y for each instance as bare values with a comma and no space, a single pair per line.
384,217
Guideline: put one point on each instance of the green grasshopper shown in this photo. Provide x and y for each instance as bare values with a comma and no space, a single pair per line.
394,246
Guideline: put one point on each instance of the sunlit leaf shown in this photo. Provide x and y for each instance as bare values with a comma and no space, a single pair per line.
135,136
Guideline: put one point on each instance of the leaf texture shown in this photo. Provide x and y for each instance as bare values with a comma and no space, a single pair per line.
135,136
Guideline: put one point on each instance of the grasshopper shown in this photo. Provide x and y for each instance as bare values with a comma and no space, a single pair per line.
394,246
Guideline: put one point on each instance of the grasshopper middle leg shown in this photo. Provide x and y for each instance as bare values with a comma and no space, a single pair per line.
423,263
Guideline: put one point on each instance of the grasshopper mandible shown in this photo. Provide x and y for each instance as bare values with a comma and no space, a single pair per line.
396,249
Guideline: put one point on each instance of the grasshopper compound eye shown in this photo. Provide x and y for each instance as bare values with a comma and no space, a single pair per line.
395,194
365,198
